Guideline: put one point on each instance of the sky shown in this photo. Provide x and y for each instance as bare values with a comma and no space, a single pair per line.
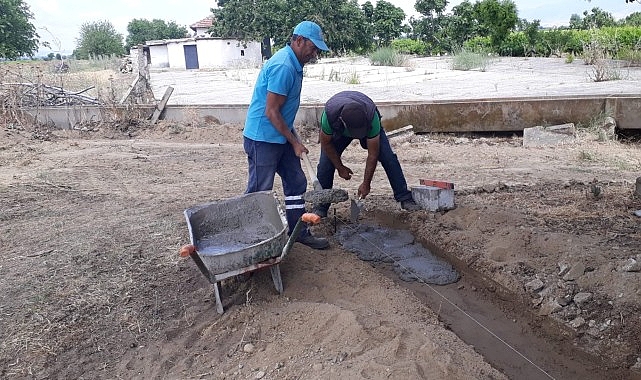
59,21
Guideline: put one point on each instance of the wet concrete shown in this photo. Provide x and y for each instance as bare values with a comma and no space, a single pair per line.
488,317
412,262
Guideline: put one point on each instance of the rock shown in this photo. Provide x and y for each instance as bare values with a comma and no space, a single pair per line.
564,301
550,307
577,322
249,348
575,272
581,298
637,365
632,265
260,374
534,285
563,269
549,136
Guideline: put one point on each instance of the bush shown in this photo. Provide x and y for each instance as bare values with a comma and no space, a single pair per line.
465,60
409,46
478,45
387,56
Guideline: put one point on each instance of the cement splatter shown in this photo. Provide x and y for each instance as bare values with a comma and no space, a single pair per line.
411,261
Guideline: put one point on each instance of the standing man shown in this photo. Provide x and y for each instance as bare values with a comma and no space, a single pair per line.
351,115
269,137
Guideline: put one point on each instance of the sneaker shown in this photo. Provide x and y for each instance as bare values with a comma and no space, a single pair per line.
313,242
410,205
320,212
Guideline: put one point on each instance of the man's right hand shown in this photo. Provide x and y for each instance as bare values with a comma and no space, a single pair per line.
299,148
344,172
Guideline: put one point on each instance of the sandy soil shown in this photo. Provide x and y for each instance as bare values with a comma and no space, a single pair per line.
93,286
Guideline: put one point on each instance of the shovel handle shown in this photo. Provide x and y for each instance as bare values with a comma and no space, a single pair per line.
310,172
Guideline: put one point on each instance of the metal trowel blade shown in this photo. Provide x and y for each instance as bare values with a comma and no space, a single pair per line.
355,210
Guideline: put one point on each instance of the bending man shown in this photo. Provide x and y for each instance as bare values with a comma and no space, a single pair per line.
351,115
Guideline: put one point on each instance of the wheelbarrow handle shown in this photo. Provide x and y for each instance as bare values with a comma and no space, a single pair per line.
308,218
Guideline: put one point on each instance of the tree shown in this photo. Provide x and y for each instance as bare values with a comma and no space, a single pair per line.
141,31
342,21
17,34
387,22
430,28
462,24
596,19
633,19
496,19
97,39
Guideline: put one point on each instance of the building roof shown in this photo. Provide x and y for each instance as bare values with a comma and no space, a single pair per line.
207,22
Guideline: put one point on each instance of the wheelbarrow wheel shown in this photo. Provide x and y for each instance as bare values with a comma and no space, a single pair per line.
278,283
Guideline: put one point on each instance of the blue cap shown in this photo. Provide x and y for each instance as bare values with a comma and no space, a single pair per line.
311,31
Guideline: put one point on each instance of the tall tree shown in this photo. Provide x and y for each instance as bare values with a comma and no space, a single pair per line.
496,19
387,22
141,31
462,24
596,18
17,34
634,19
97,39
431,27
342,21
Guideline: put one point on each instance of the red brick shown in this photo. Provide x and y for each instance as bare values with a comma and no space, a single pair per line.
436,183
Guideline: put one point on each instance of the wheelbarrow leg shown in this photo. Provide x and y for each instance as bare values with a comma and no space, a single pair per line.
278,283
219,304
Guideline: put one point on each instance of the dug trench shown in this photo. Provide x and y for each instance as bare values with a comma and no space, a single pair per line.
496,321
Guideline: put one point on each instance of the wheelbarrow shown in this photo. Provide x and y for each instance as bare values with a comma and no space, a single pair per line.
240,235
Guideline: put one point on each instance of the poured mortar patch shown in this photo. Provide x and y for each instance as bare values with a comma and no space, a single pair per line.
411,260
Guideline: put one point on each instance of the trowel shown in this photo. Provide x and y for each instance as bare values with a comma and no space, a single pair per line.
355,209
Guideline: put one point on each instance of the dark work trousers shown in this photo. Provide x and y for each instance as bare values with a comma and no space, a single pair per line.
265,160
386,157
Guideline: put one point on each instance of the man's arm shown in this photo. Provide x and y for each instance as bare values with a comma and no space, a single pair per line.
272,111
373,148
331,153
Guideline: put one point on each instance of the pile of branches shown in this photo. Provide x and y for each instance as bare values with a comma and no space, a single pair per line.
42,95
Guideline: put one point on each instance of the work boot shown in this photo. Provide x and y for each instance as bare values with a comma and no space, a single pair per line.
410,205
313,242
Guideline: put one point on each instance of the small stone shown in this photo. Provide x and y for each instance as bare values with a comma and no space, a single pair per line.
260,374
248,348
575,272
577,322
279,365
632,265
534,285
550,307
564,301
582,297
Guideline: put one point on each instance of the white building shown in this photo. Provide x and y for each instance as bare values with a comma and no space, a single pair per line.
202,51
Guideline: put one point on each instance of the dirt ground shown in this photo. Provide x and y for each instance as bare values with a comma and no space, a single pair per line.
93,287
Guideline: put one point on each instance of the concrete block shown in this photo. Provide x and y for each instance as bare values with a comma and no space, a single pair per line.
433,198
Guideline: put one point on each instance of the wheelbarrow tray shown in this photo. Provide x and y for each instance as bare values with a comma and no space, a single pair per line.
237,233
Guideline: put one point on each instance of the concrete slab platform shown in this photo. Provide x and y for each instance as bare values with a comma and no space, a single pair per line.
429,78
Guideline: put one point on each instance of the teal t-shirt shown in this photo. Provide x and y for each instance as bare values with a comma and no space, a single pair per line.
373,132
282,74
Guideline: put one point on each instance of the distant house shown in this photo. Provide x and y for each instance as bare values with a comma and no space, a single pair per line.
202,51
201,28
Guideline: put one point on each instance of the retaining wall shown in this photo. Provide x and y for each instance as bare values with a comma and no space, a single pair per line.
473,115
